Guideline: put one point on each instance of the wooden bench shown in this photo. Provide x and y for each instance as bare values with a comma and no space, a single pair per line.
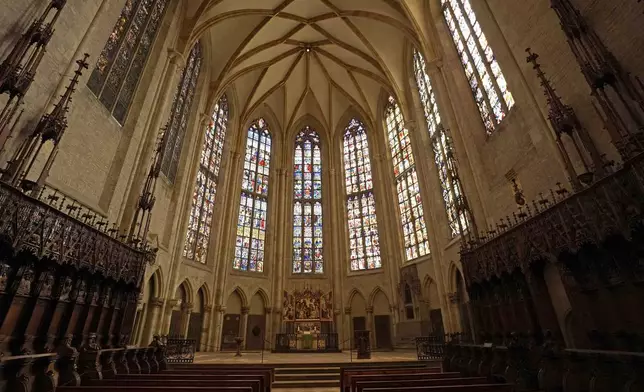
363,385
153,389
263,376
232,381
347,372
447,388
412,380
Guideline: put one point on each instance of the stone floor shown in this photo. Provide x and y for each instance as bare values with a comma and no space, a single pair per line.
300,358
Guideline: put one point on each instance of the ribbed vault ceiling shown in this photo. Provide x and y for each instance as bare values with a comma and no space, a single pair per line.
300,57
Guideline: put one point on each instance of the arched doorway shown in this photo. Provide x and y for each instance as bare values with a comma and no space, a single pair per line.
256,327
382,321
434,308
358,315
230,328
409,303
195,325
176,320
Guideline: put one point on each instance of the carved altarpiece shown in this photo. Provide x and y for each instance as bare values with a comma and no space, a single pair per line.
307,313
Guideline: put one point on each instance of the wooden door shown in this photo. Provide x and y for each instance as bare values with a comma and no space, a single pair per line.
229,331
195,326
383,331
175,324
359,324
258,322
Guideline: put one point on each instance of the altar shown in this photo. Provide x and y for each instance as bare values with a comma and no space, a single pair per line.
307,323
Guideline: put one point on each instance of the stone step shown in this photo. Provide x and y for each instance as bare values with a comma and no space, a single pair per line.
307,370
307,376
293,384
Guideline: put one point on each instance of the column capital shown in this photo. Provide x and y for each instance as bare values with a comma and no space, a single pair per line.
176,57
369,309
207,309
245,310
187,307
347,310
172,303
220,308
268,310
156,302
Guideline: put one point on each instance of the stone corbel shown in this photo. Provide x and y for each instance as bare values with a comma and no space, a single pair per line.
187,307
171,303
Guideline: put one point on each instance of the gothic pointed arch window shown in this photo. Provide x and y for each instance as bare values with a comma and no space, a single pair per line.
203,199
483,72
307,205
364,243
451,188
253,206
410,203
123,59
180,114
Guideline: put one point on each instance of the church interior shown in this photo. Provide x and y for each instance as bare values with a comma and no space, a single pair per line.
191,189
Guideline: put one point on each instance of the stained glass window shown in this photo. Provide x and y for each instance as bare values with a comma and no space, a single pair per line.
307,205
253,206
451,188
364,244
203,199
180,114
121,63
483,72
409,199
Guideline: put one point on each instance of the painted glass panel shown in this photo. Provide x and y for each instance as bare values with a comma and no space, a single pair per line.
203,199
307,206
123,59
483,72
180,114
416,240
253,206
364,243
444,159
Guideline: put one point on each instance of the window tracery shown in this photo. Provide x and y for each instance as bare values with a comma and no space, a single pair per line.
412,217
451,187
307,206
364,243
253,206
121,63
483,72
203,199
180,114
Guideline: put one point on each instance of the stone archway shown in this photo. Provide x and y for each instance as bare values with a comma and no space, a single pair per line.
231,324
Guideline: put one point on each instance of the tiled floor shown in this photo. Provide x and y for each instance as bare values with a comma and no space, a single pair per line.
268,357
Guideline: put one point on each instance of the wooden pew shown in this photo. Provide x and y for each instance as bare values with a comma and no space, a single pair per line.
366,384
447,388
347,372
264,376
377,380
232,381
153,389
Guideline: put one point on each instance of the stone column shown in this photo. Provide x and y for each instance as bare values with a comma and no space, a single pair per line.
244,324
220,311
369,324
279,267
338,238
167,316
186,310
268,327
154,310
205,332
347,326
